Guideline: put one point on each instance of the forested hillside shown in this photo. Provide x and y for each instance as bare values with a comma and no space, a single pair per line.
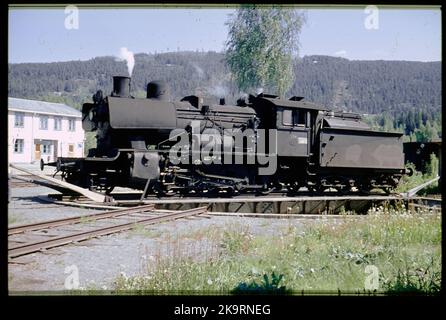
398,95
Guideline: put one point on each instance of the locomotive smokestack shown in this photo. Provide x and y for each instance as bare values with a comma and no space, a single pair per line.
158,90
121,87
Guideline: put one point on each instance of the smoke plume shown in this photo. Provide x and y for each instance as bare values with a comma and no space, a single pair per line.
125,54
198,70
219,91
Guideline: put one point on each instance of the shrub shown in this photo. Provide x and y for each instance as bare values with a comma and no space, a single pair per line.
265,287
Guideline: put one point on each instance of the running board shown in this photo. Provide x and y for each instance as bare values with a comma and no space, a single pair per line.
98,197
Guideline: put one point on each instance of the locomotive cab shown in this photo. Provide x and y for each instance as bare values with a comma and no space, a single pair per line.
293,120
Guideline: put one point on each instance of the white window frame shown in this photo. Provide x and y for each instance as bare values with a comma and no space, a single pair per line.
58,120
43,122
17,116
16,144
46,148
71,124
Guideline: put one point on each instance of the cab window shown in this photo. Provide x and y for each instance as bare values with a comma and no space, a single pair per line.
294,117
300,118
287,117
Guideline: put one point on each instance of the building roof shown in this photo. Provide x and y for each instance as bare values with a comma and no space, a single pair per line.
42,107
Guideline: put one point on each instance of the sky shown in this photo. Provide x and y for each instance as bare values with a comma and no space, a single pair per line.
49,35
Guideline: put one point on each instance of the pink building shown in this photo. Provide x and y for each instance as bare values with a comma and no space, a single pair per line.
43,130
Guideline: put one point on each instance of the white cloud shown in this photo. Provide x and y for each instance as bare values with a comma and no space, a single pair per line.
340,53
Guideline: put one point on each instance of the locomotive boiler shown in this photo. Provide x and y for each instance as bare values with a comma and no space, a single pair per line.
261,144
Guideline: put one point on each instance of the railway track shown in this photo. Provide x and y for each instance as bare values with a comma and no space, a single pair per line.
302,204
122,198
139,215
79,219
142,215
16,183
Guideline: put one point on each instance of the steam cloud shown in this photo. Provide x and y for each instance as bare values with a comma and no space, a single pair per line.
218,91
125,54
198,70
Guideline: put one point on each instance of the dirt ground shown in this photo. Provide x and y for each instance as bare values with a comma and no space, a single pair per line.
98,262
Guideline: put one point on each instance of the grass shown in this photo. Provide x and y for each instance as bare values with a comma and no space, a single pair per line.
210,232
267,286
141,230
418,178
328,257
13,219
433,189
87,220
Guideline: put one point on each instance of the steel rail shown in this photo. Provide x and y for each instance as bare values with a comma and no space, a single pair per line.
267,199
62,240
78,219
36,183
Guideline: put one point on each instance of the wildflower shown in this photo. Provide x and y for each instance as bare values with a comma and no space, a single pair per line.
312,270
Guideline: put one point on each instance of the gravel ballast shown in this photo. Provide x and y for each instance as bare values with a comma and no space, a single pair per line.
98,262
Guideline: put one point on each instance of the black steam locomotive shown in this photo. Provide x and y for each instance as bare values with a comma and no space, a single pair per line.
166,148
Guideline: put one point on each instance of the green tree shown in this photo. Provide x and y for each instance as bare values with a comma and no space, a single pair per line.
425,133
261,46
387,122
431,167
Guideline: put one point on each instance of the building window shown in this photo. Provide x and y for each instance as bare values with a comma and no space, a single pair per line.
46,148
19,119
71,124
18,146
43,122
71,147
57,123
